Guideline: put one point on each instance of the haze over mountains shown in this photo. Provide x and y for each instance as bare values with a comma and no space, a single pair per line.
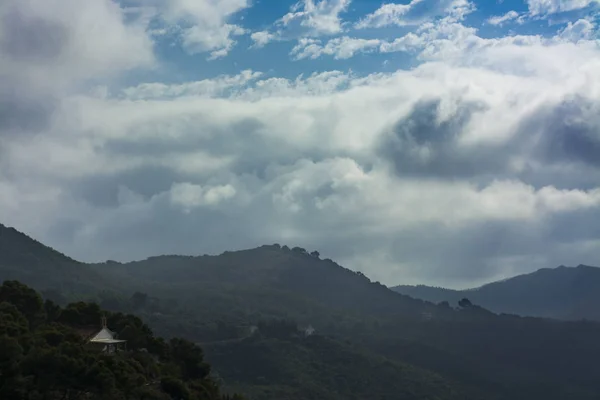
563,293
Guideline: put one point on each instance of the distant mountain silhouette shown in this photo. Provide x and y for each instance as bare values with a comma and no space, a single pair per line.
293,275
562,293
29,261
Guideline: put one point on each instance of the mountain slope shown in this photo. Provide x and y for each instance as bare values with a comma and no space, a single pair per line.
218,298
325,369
29,261
275,281
513,357
45,354
563,293
264,280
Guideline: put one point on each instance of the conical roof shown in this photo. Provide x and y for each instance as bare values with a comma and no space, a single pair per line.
103,335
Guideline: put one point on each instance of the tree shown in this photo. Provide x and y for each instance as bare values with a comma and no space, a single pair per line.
51,360
12,322
55,296
299,250
175,388
315,254
81,314
465,303
190,359
444,304
27,300
53,310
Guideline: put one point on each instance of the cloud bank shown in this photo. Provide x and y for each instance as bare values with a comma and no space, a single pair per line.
480,162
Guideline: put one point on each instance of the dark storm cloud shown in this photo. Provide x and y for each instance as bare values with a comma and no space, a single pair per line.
147,181
30,39
556,135
243,141
22,112
420,133
568,132
576,226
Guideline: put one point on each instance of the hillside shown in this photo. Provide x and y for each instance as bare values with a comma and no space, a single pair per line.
322,368
44,354
253,278
563,293
27,260
219,300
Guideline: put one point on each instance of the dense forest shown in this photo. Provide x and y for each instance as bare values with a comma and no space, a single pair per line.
278,322
45,354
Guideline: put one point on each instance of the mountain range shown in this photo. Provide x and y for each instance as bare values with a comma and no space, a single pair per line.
563,293
251,310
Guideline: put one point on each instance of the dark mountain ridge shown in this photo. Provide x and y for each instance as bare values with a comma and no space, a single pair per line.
563,293
27,260
212,299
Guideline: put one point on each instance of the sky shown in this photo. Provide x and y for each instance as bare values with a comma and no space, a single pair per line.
443,142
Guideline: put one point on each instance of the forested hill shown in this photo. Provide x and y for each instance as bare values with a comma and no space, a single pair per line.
392,341
563,293
268,271
27,260
18,248
45,354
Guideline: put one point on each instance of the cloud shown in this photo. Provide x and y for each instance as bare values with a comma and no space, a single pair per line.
340,48
478,163
306,19
189,196
415,13
547,7
261,158
317,18
218,40
262,38
208,87
346,47
501,19
203,26
43,46
582,29
452,42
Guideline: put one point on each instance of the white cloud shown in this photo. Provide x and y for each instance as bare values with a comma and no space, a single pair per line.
457,44
346,47
189,196
204,24
582,29
306,19
415,13
207,88
262,38
320,17
547,7
501,19
340,48
406,43
218,40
